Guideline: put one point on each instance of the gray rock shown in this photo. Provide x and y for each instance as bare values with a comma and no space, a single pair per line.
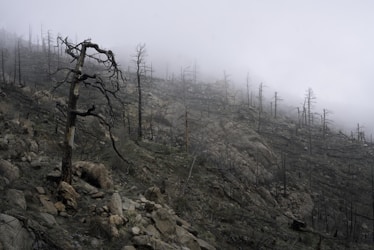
135,230
96,174
164,222
40,190
33,146
154,194
152,231
205,245
16,197
54,176
115,204
152,243
48,205
49,219
128,204
95,243
8,170
128,248
68,194
12,234
98,195
86,187
187,239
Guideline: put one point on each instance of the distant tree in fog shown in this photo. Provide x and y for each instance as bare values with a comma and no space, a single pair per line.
140,74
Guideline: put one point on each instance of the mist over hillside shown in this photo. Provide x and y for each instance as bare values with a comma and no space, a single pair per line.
290,46
186,125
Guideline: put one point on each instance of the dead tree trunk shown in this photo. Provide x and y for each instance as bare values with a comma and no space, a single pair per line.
15,65
71,118
140,72
107,89
186,130
19,64
3,65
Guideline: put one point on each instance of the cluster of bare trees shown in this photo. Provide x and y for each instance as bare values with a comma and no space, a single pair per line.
25,63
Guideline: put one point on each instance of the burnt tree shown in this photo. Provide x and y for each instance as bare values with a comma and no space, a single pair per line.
107,84
140,73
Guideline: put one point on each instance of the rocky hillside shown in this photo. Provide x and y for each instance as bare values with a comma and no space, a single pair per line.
236,187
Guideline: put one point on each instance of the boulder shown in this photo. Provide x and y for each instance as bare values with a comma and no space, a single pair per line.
54,176
115,204
33,146
40,190
128,248
149,242
68,195
17,198
152,231
86,187
60,206
154,194
96,174
8,170
98,195
187,239
128,204
135,230
48,205
205,245
116,220
49,219
164,222
100,227
13,235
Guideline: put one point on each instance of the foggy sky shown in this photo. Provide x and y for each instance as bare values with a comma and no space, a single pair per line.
289,45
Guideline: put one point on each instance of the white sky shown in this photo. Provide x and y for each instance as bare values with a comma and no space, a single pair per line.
289,45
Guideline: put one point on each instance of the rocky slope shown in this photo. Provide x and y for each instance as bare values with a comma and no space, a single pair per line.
237,187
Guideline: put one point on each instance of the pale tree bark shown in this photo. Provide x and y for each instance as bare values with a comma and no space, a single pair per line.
276,100
260,105
78,77
71,118
140,72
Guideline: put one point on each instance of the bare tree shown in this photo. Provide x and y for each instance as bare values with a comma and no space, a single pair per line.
140,73
49,52
309,100
15,65
325,122
30,38
226,86
360,133
184,72
260,104
276,100
3,64
76,77
19,63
